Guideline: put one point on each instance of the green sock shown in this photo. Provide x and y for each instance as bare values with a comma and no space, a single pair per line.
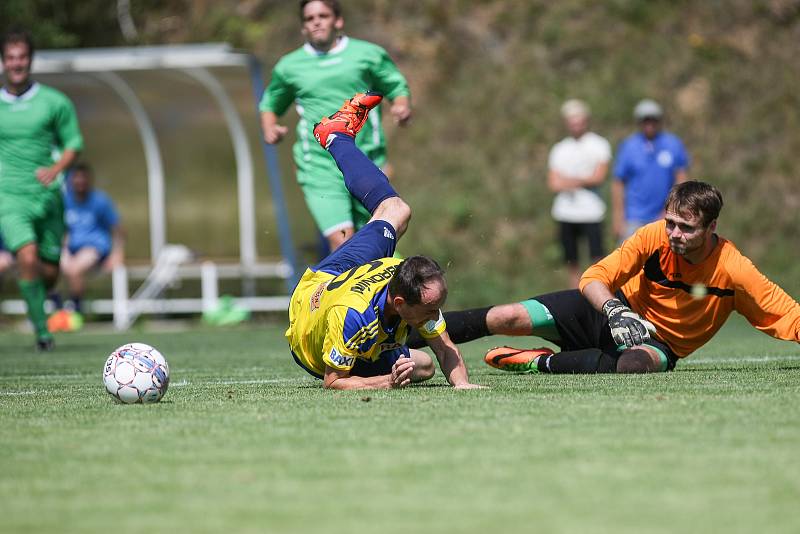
34,294
544,325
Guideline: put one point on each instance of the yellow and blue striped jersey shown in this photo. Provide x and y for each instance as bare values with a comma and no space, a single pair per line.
335,319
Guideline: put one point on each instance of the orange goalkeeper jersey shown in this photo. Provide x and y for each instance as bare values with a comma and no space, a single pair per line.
659,286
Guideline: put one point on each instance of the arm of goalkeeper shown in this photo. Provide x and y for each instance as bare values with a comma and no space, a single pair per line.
627,327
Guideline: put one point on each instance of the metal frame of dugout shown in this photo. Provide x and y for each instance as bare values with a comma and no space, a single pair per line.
173,262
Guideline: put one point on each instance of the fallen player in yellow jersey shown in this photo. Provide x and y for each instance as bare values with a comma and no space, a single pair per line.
350,315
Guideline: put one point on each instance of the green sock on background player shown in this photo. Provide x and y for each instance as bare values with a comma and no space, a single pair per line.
33,293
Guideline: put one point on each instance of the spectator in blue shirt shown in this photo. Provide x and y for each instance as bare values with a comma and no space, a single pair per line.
95,237
648,164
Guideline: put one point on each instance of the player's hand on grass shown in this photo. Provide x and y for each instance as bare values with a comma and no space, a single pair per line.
273,134
627,327
46,175
401,373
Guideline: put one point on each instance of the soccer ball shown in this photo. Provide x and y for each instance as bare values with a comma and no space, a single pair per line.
136,373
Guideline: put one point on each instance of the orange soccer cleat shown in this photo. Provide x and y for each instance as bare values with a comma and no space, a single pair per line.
65,321
515,360
348,120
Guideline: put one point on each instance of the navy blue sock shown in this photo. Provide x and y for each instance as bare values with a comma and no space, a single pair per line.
363,179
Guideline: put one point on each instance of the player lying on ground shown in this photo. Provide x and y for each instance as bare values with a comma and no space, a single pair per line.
659,297
349,316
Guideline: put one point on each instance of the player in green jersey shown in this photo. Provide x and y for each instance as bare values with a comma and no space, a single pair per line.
35,120
327,70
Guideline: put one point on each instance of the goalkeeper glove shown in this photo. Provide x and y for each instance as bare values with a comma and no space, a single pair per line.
627,327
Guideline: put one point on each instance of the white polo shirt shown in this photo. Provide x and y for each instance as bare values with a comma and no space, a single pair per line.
577,159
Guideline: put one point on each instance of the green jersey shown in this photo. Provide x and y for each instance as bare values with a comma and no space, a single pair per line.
34,126
319,83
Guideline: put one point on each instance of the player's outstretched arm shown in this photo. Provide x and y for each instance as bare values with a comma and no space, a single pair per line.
451,362
398,378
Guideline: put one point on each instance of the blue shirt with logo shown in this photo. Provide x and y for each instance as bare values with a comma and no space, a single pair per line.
90,222
648,167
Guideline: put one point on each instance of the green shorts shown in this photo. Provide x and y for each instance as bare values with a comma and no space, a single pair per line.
327,198
39,220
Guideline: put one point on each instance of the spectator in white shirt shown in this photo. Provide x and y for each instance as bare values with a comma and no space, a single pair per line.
577,166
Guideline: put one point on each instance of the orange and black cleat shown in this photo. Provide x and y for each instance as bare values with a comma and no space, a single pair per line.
348,120
515,360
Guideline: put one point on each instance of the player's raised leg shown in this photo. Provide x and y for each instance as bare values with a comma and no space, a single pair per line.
362,177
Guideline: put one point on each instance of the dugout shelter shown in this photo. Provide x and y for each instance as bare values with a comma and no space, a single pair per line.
170,263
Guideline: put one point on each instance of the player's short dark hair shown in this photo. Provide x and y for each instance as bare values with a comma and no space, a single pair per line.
697,198
13,36
412,275
334,6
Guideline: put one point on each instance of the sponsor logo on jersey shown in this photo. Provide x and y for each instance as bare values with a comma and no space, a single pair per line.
341,359
365,283
387,233
389,346
317,295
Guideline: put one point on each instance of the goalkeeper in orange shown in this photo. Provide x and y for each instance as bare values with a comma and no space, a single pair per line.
659,297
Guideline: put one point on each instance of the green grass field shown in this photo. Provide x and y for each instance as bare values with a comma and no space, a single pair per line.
244,441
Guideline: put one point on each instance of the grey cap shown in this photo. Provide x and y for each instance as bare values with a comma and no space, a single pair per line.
647,109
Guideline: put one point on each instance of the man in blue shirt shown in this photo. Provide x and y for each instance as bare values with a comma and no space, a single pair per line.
648,164
95,237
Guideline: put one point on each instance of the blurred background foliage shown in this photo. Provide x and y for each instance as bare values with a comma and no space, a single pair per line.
488,78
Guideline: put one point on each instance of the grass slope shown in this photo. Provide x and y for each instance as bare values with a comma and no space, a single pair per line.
245,442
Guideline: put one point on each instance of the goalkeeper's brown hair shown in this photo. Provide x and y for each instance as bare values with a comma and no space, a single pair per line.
697,198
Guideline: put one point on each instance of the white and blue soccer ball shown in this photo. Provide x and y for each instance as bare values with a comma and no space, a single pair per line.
136,373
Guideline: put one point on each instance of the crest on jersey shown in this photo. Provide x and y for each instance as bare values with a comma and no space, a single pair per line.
317,295
665,158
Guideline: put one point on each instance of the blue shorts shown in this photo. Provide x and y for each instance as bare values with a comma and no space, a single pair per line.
381,366
102,252
375,240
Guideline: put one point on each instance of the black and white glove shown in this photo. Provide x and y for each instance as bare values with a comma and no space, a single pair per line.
627,327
